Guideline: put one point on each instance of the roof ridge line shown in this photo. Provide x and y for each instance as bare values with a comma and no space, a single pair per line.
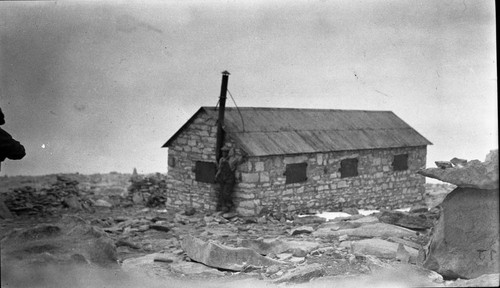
287,108
296,130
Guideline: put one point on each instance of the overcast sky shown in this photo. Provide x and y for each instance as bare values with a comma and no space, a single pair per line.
95,86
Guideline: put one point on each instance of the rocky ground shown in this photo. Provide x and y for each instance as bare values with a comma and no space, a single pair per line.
125,244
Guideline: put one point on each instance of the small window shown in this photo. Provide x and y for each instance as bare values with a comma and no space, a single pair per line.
296,173
171,161
400,162
349,167
205,171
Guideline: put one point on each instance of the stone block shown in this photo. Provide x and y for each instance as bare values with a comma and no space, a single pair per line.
245,211
319,159
259,166
342,184
244,195
295,159
248,204
264,177
250,177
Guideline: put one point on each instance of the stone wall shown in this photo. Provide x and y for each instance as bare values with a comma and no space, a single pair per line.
261,182
197,143
377,185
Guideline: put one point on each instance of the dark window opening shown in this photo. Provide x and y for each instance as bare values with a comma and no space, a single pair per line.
205,171
296,173
400,162
349,167
171,161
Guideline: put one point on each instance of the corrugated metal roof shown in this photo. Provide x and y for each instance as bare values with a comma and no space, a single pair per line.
275,131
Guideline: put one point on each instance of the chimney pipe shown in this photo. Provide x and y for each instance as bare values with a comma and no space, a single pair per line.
220,121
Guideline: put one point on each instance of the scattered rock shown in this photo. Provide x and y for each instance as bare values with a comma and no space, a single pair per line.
402,255
459,163
229,215
277,246
309,219
190,211
297,260
419,209
192,268
365,220
381,248
335,226
302,274
159,227
163,258
123,242
102,203
301,230
298,252
343,238
221,256
72,202
487,280
137,198
103,252
407,220
405,242
443,164
465,242
273,269
351,210
284,256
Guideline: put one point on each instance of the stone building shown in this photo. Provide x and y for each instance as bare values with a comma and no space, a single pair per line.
299,159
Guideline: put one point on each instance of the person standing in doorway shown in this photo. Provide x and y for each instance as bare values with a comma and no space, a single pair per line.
226,177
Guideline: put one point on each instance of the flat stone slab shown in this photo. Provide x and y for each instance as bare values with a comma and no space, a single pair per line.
407,220
381,248
301,230
277,246
368,230
225,257
302,274
193,268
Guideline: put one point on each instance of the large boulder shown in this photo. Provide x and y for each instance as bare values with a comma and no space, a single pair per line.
225,257
70,241
465,241
407,220
473,174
